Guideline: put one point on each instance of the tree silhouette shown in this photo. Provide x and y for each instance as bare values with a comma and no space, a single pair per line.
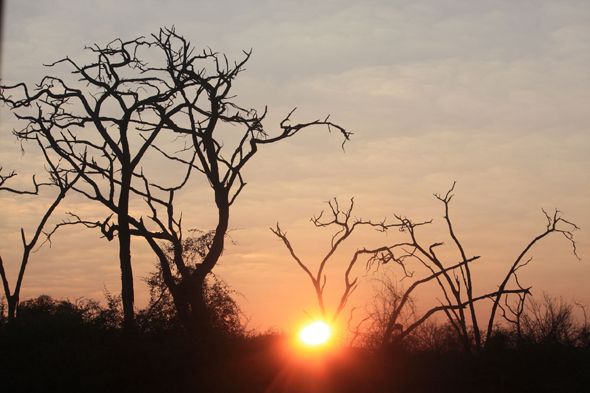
345,224
58,179
224,315
122,114
453,279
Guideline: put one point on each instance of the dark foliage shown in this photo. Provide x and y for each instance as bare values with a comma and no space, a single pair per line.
63,346
223,314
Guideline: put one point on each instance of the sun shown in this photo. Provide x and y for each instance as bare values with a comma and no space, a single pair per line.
315,334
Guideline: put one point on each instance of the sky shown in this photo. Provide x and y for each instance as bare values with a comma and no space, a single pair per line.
491,94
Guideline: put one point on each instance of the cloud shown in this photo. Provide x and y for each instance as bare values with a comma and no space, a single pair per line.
491,94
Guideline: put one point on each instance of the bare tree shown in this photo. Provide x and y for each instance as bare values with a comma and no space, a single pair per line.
89,126
549,320
345,224
58,179
105,129
388,292
458,298
454,280
223,171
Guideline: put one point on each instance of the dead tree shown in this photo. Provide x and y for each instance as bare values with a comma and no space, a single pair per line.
454,280
89,125
58,179
345,224
458,298
175,109
206,105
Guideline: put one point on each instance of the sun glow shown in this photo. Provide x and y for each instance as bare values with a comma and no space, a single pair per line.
315,334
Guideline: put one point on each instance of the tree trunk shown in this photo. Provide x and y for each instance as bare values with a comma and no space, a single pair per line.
200,318
12,305
127,292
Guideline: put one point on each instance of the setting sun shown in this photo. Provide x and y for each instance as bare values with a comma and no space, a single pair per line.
315,334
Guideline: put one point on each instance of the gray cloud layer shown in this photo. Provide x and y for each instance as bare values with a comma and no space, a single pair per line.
492,94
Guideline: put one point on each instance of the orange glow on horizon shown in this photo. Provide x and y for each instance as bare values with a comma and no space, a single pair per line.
315,334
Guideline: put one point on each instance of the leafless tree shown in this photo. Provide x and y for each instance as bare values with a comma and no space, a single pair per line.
89,125
127,109
388,292
397,253
58,179
454,279
345,224
549,320
458,298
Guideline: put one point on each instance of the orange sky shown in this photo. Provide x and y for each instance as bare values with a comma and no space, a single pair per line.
493,96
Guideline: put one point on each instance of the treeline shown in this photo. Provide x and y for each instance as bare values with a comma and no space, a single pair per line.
73,346
159,316
70,346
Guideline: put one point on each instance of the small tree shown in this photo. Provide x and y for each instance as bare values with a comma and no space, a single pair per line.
386,297
547,321
58,179
345,224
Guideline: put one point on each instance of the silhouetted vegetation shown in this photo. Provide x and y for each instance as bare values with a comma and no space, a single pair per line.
72,346
122,115
223,314
57,179
95,134
392,317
